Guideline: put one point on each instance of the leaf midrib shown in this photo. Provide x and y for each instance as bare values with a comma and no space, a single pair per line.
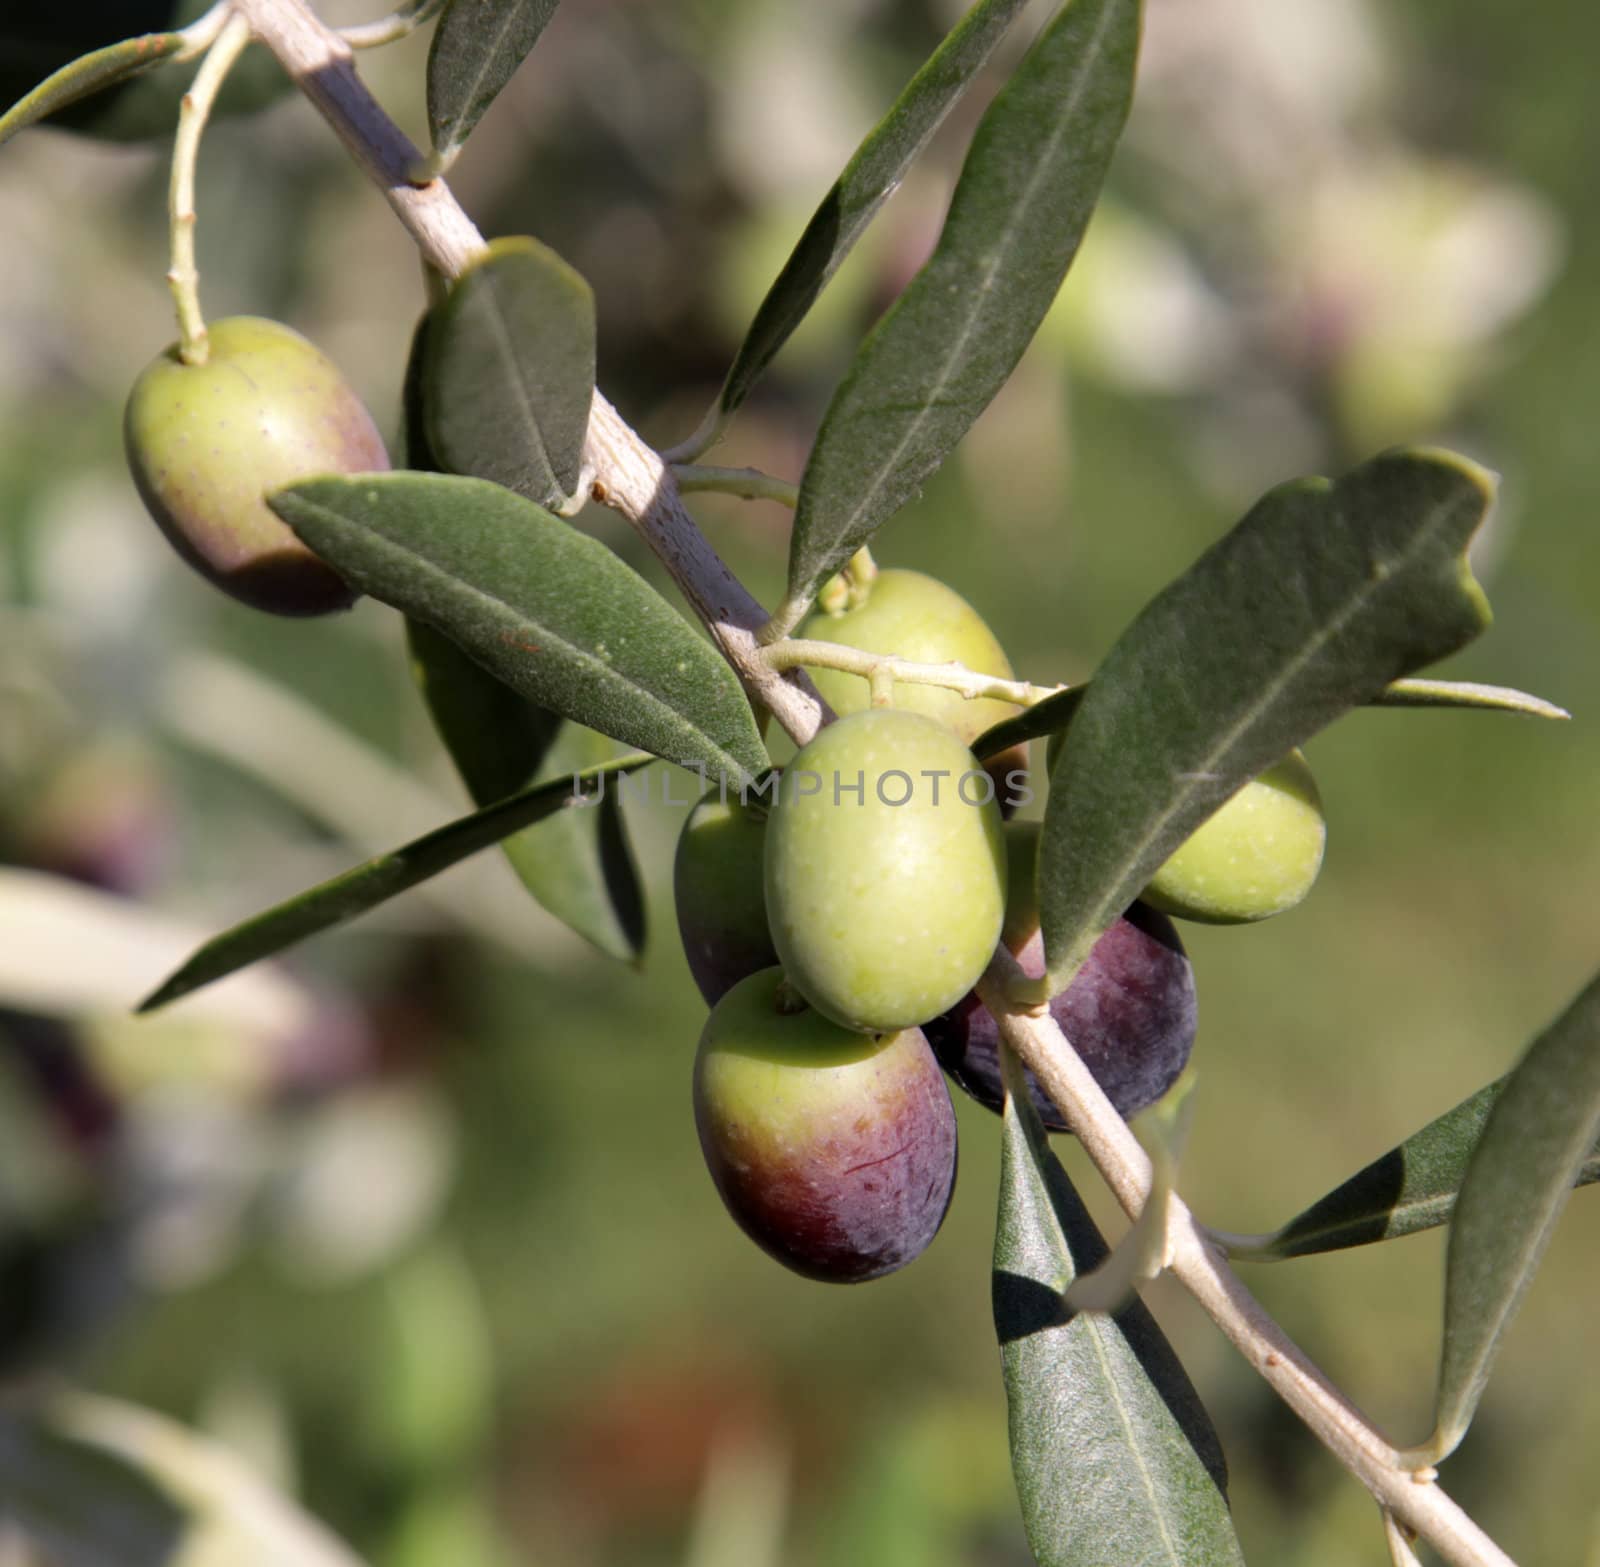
602,670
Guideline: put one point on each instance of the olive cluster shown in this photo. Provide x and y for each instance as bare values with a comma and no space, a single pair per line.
838,923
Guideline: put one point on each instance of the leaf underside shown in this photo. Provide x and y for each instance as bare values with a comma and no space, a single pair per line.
90,74
1114,1456
477,46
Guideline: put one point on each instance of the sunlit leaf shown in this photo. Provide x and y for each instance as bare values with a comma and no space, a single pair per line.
365,886
868,180
1540,1130
932,365
508,372
476,49
1114,1456
92,73
1324,594
546,609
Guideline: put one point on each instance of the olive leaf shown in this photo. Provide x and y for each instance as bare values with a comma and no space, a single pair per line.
1050,717
1413,1187
869,179
1322,596
1114,1456
546,609
385,876
90,74
1029,183
576,864
1540,1130
508,371
477,46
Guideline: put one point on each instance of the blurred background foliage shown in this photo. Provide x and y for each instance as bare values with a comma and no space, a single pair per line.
416,1221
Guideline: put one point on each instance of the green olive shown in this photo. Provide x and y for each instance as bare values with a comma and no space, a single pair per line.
1257,856
909,615
834,1151
916,617
885,870
207,442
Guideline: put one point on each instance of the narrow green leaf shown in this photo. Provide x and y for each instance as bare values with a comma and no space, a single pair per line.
1466,693
1324,594
1540,1130
576,864
932,365
1115,1458
1051,716
375,881
1412,1187
92,73
546,609
868,180
1048,717
508,372
476,49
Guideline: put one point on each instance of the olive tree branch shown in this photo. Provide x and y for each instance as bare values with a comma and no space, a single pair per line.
400,23
633,478
793,652
628,475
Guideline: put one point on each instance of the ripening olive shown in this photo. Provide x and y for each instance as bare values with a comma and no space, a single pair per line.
206,443
885,870
1257,856
834,1151
720,894
913,616
1129,1012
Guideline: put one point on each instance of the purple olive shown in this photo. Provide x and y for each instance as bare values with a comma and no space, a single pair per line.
718,888
835,1151
1130,1013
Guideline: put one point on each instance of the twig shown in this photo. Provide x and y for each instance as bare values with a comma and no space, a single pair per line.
794,652
629,475
750,483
